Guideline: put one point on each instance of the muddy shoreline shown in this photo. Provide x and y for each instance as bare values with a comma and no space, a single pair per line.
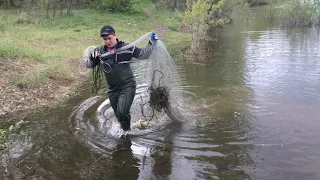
17,102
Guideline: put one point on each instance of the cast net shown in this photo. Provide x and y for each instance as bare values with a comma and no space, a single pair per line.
158,100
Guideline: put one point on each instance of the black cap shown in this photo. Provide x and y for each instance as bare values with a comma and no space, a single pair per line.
106,30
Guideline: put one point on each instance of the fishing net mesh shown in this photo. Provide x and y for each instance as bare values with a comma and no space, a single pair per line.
157,100
162,97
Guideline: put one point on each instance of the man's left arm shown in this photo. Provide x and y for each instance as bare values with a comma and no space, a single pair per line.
143,53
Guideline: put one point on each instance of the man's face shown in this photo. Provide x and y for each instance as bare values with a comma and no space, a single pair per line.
110,40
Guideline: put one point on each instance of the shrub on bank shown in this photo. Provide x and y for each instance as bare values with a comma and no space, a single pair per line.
116,5
299,13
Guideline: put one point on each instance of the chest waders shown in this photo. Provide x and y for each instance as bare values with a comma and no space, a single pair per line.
121,101
120,79
121,92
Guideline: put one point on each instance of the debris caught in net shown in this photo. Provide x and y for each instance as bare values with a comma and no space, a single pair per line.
159,95
159,98
158,101
163,81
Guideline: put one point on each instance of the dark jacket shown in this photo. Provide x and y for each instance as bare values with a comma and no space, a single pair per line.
117,66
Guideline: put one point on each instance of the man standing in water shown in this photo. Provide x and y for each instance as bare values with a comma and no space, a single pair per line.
120,79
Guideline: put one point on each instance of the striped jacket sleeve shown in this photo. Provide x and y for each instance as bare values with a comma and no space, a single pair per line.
143,53
89,63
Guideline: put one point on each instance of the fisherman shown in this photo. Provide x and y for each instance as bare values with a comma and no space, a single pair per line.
119,76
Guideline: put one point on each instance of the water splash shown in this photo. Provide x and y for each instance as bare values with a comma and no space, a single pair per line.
159,70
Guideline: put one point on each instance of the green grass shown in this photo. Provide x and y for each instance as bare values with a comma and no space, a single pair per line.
10,50
181,43
66,36
171,19
51,70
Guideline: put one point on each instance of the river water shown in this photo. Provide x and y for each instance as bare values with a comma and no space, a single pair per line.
254,94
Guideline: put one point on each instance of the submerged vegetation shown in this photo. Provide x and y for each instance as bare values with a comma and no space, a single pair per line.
300,13
10,133
295,12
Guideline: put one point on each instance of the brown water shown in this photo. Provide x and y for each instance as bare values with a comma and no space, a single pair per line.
255,96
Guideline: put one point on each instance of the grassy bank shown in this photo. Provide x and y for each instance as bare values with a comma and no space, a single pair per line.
39,56
54,44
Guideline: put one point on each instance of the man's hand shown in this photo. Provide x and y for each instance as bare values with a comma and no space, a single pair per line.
154,36
95,57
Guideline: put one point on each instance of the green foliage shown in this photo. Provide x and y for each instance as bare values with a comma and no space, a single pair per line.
116,5
12,3
201,15
298,13
171,4
3,138
213,13
271,11
52,8
258,2
11,131
24,19
139,6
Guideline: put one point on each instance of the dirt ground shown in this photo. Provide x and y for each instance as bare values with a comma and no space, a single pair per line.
17,100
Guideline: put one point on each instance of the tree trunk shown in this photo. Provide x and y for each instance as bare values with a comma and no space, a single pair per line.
33,7
54,9
48,8
61,4
69,8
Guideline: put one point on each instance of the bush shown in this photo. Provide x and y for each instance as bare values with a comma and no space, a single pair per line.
297,13
117,5
201,15
171,4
